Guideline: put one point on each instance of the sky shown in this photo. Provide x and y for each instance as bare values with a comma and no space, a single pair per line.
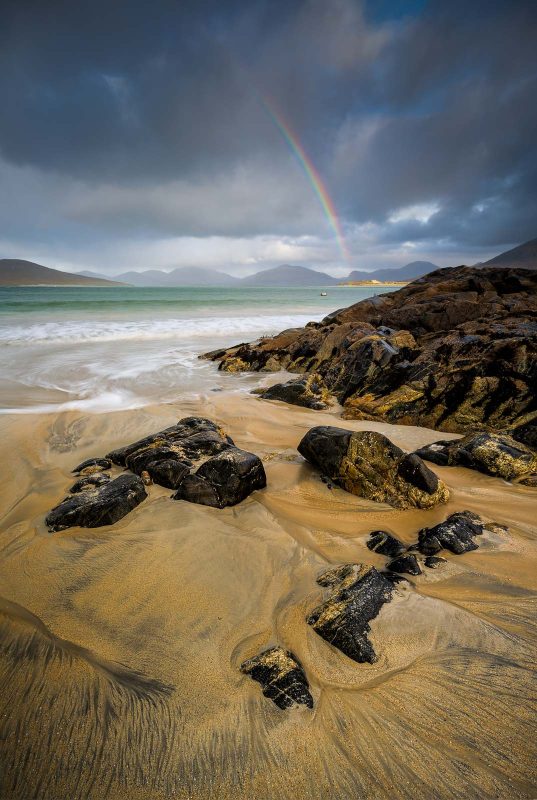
336,134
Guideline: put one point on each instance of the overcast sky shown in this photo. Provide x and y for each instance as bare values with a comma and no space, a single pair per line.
137,135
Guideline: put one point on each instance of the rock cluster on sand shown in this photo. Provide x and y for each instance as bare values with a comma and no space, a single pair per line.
454,351
194,457
490,453
368,464
281,676
197,459
357,593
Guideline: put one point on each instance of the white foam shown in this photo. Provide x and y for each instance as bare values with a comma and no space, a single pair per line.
228,328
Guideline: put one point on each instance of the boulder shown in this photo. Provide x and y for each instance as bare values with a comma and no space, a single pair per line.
309,392
368,464
281,676
385,544
407,563
103,505
456,534
494,454
224,480
358,594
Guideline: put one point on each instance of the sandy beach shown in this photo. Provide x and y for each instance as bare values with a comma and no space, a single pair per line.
119,670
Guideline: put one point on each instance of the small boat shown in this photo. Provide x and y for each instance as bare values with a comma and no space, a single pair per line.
323,294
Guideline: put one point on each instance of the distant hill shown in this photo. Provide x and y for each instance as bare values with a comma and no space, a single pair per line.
410,271
182,276
288,275
17,272
525,256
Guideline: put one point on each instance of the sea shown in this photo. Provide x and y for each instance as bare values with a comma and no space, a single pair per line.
103,349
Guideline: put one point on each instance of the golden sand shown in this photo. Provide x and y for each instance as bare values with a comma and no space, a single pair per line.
121,646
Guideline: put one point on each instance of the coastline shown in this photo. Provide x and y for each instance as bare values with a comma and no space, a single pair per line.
181,594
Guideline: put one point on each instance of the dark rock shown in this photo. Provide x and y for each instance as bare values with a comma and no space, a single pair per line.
407,563
197,459
454,351
433,562
359,592
368,464
456,534
529,480
385,544
93,465
224,479
103,506
89,482
281,676
309,392
493,454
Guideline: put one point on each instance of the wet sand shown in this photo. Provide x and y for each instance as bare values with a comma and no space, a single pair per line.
120,647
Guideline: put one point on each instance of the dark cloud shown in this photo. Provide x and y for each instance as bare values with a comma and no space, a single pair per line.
148,121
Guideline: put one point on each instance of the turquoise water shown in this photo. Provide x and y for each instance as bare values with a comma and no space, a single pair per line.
100,349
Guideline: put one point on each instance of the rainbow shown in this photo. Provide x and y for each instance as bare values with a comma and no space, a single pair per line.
311,173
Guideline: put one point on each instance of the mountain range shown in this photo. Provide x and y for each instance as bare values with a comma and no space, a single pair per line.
17,272
284,275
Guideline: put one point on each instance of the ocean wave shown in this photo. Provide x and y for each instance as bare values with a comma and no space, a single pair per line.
123,330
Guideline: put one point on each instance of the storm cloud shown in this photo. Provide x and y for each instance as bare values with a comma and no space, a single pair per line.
143,135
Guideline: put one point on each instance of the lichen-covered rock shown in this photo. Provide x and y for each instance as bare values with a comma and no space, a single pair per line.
491,453
103,505
368,464
309,392
407,563
89,482
197,459
358,594
454,351
456,534
385,544
281,676
223,480
92,465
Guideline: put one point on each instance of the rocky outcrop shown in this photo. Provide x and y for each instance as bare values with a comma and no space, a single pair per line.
102,505
281,676
456,534
493,454
454,351
309,392
197,459
368,464
358,594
